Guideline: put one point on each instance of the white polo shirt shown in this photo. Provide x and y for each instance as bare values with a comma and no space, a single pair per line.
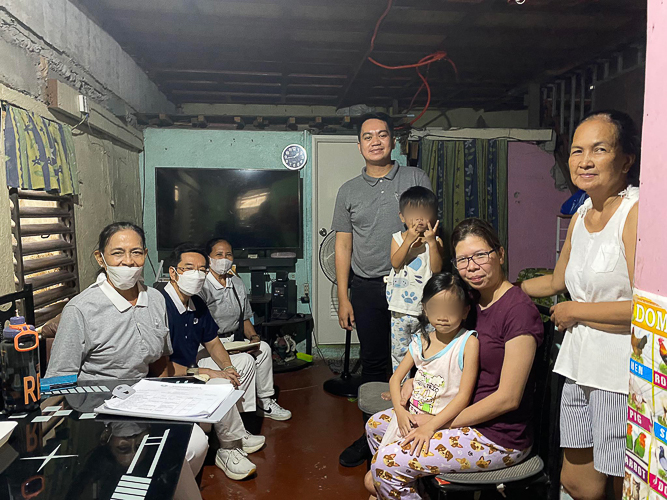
101,335
223,305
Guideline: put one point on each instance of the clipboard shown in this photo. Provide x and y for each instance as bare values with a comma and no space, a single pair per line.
240,346
213,418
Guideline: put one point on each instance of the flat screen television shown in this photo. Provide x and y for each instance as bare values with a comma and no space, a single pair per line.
254,209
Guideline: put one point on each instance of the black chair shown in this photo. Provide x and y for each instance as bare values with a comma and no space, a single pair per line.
9,306
538,475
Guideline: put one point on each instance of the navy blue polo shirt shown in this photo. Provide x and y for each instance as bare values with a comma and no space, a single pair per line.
189,327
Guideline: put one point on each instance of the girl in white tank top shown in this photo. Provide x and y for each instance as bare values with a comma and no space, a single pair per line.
446,359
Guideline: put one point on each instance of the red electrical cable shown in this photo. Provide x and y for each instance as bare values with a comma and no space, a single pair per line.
412,102
439,55
377,25
428,97
424,61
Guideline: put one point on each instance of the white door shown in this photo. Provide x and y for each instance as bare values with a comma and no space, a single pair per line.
336,160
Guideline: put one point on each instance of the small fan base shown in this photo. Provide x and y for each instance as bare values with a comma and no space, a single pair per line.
345,385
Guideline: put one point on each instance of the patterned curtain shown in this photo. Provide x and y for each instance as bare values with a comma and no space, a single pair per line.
39,153
470,179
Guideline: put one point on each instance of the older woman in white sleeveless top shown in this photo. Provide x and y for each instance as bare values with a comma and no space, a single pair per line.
596,267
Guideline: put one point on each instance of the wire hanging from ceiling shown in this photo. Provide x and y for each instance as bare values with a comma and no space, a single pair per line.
436,56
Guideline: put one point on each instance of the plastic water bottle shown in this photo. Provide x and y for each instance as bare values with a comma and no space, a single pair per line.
19,353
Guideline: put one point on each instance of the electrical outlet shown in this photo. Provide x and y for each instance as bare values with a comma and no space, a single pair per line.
83,105
306,289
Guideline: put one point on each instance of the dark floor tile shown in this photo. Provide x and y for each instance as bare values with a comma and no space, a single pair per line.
300,459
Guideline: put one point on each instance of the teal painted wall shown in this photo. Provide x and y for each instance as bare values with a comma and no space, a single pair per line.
224,149
228,149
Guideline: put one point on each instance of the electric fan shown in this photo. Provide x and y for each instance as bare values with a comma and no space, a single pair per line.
346,384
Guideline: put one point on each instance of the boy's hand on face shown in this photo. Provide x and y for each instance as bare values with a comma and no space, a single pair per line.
431,233
412,234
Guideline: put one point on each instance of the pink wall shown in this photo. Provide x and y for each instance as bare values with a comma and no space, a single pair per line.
532,205
651,262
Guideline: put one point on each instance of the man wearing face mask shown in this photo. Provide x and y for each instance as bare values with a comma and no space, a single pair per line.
227,299
191,327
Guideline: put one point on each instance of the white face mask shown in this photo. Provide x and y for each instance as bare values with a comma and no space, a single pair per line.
191,282
123,277
221,266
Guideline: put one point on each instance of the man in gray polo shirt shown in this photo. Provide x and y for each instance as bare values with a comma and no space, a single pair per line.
365,217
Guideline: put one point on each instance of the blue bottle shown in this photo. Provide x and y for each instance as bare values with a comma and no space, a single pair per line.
19,360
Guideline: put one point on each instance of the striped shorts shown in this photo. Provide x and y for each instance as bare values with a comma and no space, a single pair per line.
594,418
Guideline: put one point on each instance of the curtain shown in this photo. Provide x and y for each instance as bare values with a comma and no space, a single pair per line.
39,153
470,179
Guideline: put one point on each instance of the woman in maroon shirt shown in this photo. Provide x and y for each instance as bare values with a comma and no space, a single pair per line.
509,330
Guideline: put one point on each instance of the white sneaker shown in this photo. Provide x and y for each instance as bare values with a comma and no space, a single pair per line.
252,443
234,463
274,411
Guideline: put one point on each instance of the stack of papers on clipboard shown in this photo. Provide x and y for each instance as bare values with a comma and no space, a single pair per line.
168,401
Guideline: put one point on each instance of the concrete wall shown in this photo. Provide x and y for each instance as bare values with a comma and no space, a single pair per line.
109,191
532,205
651,262
53,38
225,149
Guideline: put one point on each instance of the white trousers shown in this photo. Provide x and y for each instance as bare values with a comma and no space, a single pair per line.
187,488
230,430
256,373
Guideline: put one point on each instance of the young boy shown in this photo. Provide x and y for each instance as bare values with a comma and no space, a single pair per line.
416,254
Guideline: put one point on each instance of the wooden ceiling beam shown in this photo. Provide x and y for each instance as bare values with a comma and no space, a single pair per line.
554,6
252,57
403,11
272,45
158,23
198,73
248,94
230,84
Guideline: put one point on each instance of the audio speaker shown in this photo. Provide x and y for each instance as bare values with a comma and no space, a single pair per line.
283,300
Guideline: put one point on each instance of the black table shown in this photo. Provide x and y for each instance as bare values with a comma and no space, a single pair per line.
66,453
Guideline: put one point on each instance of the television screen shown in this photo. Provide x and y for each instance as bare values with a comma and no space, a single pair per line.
253,209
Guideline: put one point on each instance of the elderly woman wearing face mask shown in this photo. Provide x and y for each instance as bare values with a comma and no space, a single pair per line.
117,329
596,266
227,298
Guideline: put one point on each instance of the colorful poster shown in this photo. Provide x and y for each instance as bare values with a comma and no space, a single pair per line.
646,443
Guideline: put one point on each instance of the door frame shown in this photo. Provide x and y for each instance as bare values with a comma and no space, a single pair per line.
320,139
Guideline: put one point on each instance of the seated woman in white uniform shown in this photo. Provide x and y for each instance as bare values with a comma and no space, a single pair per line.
227,300
117,328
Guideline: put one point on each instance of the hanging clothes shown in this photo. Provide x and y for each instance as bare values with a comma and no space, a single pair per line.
470,179
39,153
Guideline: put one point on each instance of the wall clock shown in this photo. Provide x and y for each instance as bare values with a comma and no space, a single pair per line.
294,157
